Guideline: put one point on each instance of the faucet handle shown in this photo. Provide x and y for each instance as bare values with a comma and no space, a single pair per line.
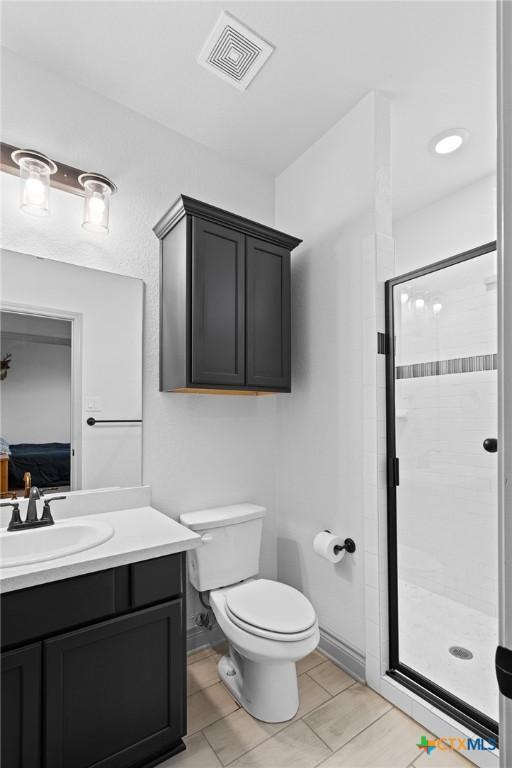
15,517
47,514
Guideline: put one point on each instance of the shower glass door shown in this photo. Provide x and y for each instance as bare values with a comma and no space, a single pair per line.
442,484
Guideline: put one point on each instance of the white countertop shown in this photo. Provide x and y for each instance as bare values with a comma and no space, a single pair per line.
140,533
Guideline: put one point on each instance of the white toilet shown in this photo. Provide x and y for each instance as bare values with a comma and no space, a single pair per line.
269,625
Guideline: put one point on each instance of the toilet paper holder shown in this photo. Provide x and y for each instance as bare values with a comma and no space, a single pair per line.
349,545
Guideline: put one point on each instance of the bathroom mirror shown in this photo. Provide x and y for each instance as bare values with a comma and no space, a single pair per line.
70,376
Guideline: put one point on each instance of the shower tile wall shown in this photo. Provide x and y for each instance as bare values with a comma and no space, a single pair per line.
448,493
466,324
451,486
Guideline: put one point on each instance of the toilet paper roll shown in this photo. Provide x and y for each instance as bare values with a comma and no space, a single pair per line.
324,544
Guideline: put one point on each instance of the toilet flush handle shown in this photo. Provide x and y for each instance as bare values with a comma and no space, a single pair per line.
206,538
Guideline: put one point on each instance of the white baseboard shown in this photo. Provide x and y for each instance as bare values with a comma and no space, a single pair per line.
343,655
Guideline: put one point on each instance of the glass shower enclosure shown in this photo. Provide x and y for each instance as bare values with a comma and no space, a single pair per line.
442,484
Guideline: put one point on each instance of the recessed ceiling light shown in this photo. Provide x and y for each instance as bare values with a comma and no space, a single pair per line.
448,144
449,141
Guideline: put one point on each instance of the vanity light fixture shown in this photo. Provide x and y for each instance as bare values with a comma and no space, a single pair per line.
449,141
419,303
437,307
38,173
98,191
35,170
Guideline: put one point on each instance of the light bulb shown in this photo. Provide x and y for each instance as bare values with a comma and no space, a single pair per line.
97,192
404,297
35,172
34,190
437,307
419,303
96,209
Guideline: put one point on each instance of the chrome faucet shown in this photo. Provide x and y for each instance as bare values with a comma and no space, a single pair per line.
31,519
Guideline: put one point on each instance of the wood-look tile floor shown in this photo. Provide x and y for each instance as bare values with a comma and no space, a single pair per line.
340,724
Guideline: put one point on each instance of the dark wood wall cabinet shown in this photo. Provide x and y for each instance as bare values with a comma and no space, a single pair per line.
224,302
93,669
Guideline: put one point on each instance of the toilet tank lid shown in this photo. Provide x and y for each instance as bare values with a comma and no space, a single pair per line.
216,517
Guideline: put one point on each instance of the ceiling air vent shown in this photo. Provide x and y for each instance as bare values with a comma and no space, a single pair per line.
233,52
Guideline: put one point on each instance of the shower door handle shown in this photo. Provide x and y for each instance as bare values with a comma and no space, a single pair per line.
394,471
491,444
503,662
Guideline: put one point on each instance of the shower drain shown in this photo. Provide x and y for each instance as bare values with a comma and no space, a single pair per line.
460,653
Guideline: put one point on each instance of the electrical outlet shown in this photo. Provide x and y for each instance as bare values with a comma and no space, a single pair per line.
93,404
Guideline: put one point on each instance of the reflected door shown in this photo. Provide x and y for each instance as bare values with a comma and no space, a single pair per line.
442,484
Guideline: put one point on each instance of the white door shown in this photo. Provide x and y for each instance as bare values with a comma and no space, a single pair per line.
505,353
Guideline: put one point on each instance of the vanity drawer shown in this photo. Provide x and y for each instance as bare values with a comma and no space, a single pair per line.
40,611
153,581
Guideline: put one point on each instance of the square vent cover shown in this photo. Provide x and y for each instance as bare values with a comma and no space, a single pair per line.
234,52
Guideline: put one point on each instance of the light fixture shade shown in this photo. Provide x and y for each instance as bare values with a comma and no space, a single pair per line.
35,172
98,191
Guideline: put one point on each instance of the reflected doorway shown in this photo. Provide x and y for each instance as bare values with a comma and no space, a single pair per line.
35,403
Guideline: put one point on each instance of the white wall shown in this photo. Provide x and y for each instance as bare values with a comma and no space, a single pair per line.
453,224
328,197
198,450
35,395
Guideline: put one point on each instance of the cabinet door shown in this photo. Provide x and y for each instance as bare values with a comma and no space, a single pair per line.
21,707
268,315
218,304
115,691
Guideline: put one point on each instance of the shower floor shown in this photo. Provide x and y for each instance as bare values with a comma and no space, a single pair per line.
429,625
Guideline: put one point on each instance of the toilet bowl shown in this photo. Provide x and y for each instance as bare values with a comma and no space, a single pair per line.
260,669
268,625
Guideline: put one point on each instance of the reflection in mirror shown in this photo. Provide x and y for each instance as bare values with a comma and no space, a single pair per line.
70,376
35,404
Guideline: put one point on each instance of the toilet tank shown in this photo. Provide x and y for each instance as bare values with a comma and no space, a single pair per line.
230,551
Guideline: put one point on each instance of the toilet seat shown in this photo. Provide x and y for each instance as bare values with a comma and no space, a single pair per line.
272,610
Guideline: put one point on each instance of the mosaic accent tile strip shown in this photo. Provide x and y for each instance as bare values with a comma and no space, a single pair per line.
445,367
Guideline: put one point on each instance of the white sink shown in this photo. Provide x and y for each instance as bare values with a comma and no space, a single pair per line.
47,543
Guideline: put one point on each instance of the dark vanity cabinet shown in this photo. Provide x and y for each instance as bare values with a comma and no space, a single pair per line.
21,707
93,669
224,303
